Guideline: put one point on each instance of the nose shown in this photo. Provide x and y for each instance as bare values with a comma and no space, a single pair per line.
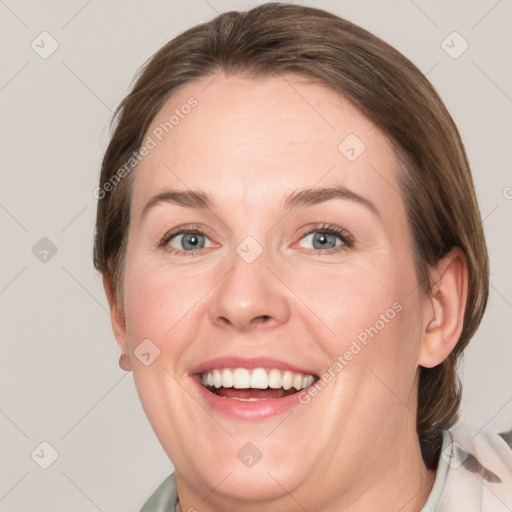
249,296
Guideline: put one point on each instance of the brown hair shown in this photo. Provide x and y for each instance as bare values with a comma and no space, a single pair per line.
435,177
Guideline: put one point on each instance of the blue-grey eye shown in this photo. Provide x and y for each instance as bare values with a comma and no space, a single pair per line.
322,240
189,241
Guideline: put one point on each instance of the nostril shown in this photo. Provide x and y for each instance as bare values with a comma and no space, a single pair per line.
260,319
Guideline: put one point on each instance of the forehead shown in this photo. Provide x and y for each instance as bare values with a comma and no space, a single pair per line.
248,138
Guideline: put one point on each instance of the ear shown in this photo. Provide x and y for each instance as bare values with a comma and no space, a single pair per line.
118,321
444,307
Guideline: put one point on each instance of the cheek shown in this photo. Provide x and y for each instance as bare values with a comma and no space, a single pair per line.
337,303
374,321
168,306
353,299
154,305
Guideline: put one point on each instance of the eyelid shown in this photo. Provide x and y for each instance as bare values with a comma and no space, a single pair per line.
339,231
183,229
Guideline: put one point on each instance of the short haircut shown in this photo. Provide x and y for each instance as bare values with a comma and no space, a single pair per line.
434,173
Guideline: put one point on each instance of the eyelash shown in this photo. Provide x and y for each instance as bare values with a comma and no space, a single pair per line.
343,234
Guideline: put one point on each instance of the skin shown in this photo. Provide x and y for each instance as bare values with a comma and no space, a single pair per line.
250,143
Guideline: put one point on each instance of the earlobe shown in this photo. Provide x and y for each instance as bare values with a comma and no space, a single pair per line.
118,322
444,307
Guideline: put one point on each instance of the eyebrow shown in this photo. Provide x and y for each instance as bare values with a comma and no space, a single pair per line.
298,199
312,196
184,198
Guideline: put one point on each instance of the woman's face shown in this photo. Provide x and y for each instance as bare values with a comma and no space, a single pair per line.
272,284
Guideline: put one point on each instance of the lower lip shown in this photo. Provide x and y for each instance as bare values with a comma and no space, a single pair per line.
246,410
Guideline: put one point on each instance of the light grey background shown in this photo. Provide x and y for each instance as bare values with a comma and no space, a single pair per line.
60,382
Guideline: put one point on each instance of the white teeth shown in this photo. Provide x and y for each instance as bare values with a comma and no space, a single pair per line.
259,378
227,378
241,379
275,379
217,379
287,380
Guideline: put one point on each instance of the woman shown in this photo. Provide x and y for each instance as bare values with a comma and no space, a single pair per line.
294,260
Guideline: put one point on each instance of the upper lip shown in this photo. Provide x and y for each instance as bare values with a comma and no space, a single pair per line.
249,363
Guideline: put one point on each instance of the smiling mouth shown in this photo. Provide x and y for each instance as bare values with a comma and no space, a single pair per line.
255,385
